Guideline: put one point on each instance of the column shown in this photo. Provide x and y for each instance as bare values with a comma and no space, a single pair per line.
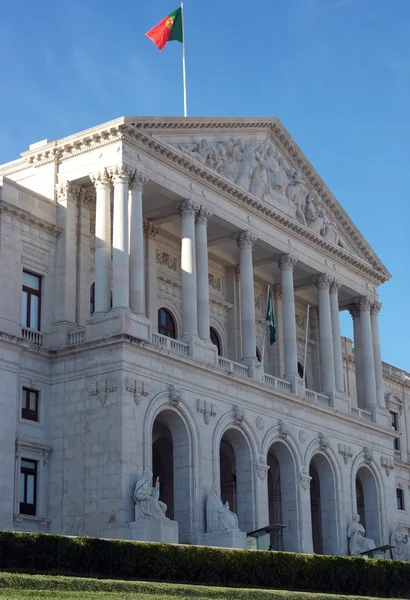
287,264
327,363
358,367
374,317
120,176
83,259
246,241
65,275
151,305
102,186
188,270
369,376
202,218
337,344
136,245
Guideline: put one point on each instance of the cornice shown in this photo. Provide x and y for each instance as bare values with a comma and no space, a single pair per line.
28,217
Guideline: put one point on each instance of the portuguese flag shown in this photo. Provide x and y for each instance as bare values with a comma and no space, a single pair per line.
168,30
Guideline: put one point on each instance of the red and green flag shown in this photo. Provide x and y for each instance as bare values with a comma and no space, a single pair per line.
168,30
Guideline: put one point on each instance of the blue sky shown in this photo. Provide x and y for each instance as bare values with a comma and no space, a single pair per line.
336,72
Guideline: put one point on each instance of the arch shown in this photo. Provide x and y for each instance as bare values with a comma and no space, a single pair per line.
216,339
166,323
222,336
368,502
283,496
324,505
168,304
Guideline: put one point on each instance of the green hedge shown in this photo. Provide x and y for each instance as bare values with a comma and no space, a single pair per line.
200,564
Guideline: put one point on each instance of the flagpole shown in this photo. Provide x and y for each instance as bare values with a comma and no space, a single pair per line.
306,346
264,329
183,59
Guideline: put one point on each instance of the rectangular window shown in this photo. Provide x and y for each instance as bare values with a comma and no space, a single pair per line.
31,301
28,487
400,498
29,406
92,299
394,420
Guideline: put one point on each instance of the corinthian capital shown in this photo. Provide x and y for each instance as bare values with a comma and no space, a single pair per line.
121,173
203,215
287,262
323,282
354,311
335,287
151,230
100,179
187,208
245,239
376,307
138,181
365,303
67,188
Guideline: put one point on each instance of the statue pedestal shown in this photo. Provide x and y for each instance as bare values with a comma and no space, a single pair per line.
225,539
163,530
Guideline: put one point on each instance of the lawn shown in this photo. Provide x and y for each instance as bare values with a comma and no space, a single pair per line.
15,586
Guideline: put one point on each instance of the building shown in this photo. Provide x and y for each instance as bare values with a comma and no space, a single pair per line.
123,349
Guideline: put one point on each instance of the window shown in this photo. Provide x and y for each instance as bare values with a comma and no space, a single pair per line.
29,406
394,420
400,498
28,487
166,323
258,354
301,370
92,299
31,301
215,339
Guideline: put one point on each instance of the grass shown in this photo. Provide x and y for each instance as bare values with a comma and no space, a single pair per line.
17,586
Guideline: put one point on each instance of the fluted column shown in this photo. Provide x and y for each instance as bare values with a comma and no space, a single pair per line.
287,264
201,239
327,363
246,241
369,376
136,245
151,304
120,176
102,186
374,317
337,344
188,269
358,363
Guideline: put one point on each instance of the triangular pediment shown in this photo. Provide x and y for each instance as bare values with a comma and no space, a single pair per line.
259,157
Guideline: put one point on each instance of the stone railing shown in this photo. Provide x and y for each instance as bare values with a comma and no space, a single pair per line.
233,367
360,413
317,398
394,372
167,343
32,335
76,337
277,383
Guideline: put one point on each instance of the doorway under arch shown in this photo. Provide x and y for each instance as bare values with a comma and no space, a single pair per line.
368,504
323,506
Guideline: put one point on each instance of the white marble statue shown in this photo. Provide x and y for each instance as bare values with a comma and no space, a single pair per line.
296,193
358,543
218,516
400,542
148,506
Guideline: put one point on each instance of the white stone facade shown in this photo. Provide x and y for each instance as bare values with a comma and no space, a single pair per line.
198,217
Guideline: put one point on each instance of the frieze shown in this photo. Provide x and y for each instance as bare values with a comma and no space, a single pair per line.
215,282
167,260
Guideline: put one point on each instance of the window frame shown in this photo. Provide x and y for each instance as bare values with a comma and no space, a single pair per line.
28,508
32,292
162,328
395,426
400,499
26,413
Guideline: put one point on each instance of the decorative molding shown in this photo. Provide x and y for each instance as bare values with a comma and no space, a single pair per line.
262,468
175,395
138,389
302,436
239,415
207,409
260,423
28,217
305,479
215,282
323,441
346,452
102,388
245,239
283,429
368,455
387,464
167,260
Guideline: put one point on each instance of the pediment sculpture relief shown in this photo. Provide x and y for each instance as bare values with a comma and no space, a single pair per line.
259,169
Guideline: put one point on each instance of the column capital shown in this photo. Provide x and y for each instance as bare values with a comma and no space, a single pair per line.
335,286
100,179
376,307
138,181
203,215
68,188
287,262
354,311
364,303
245,239
151,230
187,209
121,173
323,281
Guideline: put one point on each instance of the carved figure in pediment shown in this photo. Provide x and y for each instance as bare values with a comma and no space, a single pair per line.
259,180
315,218
277,178
296,192
332,234
203,152
226,166
245,156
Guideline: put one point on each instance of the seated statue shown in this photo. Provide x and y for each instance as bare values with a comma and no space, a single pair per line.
146,497
400,543
358,543
218,516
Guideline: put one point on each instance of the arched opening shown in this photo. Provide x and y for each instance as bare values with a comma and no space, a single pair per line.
301,370
166,323
236,477
215,339
323,506
172,463
282,497
367,503
258,354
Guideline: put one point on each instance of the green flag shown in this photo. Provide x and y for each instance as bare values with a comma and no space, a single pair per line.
270,318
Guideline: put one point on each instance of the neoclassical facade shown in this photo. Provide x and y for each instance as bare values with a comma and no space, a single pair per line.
135,259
